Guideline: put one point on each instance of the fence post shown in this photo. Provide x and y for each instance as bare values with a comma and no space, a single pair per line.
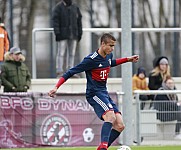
138,126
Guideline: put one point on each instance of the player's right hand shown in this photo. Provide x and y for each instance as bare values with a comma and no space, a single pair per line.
52,92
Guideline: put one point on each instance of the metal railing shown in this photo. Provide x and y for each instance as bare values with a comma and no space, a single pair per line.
137,94
36,30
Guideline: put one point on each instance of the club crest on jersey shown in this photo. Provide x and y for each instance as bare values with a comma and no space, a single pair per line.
55,130
109,61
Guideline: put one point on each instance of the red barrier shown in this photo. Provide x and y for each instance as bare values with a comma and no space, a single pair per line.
34,119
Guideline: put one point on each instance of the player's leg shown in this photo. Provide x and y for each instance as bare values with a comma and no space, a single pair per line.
118,127
109,118
104,110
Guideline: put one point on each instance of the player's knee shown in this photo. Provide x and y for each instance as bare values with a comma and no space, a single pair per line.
119,127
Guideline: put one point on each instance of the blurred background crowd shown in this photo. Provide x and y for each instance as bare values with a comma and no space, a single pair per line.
20,18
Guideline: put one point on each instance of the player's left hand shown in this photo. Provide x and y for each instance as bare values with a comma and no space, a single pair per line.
133,58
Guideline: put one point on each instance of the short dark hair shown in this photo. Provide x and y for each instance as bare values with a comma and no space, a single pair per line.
107,36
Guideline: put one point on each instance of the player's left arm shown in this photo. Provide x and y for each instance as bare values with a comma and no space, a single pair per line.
119,61
133,58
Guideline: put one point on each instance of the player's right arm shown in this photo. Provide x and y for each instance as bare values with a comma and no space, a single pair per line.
54,90
86,64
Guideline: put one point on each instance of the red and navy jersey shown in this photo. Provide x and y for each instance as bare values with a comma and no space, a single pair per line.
97,70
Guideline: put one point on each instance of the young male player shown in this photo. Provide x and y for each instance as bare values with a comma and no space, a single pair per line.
97,67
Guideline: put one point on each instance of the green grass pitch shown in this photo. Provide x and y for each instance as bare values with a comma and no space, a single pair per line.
111,148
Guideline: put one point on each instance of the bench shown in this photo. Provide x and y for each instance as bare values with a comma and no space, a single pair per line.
152,127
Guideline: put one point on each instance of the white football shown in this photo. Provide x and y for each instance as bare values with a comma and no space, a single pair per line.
124,147
88,135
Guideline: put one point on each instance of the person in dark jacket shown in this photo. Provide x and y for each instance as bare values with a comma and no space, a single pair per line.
158,75
67,24
168,106
160,72
15,74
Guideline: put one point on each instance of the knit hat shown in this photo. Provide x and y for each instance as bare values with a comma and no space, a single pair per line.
15,50
141,70
163,61
156,61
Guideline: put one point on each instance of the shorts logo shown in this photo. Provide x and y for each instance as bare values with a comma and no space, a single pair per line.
109,61
109,105
55,130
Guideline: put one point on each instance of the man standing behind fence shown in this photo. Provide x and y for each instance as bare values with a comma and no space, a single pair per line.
15,74
67,24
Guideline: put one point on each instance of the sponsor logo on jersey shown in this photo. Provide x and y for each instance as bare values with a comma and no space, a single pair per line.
100,65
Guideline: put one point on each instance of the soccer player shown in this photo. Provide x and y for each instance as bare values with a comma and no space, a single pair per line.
97,67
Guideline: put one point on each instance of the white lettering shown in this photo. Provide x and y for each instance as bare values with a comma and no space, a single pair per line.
103,74
64,105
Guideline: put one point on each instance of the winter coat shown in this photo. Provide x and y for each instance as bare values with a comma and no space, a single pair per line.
139,84
67,22
167,106
155,82
15,74
4,42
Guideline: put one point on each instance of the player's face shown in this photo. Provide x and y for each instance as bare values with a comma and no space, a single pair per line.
108,47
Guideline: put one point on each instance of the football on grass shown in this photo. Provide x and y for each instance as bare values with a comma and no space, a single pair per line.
124,147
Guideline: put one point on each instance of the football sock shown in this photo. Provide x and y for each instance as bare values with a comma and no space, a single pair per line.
105,132
114,134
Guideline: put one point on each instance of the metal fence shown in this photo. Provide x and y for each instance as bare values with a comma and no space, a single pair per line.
157,122
91,30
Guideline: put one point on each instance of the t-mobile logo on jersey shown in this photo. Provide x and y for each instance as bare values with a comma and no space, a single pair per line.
103,74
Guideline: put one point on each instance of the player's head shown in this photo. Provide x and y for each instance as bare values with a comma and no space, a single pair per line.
106,37
107,43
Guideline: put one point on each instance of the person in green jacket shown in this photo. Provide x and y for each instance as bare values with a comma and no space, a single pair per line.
15,74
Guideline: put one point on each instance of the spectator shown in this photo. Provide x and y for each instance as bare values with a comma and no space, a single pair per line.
168,106
4,41
160,72
67,24
14,73
140,83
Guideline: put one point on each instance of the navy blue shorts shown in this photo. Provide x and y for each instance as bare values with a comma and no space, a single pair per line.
101,102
